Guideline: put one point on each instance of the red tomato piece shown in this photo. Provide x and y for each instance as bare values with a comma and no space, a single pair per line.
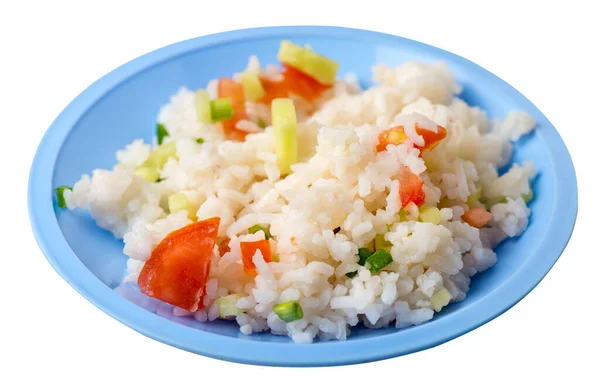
397,136
248,251
178,268
228,88
411,188
477,217
294,82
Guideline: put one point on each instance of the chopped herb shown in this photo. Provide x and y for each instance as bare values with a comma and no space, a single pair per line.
60,194
379,260
255,228
336,230
363,254
200,140
289,312
352,274
161,133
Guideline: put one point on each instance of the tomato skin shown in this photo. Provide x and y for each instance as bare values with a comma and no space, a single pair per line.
179,266
248,251
397,136
411,188
227,88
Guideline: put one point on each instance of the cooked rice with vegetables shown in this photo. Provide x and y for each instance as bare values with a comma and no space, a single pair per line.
290,201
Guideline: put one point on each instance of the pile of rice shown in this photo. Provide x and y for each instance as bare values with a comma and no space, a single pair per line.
340,181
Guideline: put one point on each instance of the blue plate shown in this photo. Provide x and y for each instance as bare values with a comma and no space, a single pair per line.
123,105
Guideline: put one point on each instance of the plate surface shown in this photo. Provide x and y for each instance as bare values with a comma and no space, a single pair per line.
123,105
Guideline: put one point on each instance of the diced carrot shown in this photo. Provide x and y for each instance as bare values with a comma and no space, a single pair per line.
248,251
178,268
397,136
477,217
228,88
411,188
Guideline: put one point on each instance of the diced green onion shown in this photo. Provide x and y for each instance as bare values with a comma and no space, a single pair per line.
289,312
203,107
161,154
363,254
148,173
161,133
179,201
200,140
283,115
352,274
221,109
440,299
528,196
474,197
430,214
228,306
380,259
261,123
253,89
255,228
60,194
305,60
381,243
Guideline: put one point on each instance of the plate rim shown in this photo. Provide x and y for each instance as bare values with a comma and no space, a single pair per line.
50,239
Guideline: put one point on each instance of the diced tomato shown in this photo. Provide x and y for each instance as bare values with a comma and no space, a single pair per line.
224,247
178,268
248,251
411,188
228,88
477,217
294,82
397,136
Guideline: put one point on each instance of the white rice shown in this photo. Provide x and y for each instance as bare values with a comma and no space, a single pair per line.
340,181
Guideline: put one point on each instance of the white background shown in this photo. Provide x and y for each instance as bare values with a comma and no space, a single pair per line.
50,337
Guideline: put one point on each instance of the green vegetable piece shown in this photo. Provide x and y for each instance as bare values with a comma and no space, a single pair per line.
228,306
60,194
363,254
261,123
430,214
203,107
528,196
148,173
283,115
320,68
474,197
253,89
258,227
380,259
221,109
440,299
161,154
289,312
179,201
381,243
352,274
200,140
161,133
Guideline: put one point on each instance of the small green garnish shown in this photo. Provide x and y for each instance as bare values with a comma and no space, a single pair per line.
203,107
228,306
261,123
148,173
161,133
60,194
283,118
200,140
221,109
257,227
380,259
363,254
289,312
440,299
352,274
